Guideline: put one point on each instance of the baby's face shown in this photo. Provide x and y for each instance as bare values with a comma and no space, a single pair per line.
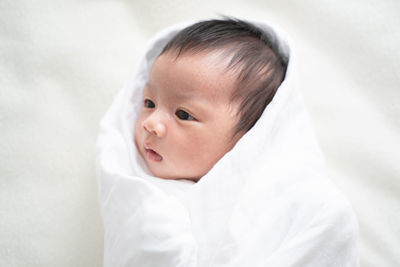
187,120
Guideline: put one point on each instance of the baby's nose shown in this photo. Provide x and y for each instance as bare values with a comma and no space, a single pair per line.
155,126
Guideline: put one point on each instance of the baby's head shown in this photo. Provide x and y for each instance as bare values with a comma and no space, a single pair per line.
207,88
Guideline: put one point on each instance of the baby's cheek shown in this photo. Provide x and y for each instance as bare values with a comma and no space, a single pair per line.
137,132
205,156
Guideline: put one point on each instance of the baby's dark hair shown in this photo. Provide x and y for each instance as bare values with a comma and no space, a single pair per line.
260,68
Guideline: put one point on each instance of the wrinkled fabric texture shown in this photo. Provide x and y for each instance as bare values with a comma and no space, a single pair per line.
267,202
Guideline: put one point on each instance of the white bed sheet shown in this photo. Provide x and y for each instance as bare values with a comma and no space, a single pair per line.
62,62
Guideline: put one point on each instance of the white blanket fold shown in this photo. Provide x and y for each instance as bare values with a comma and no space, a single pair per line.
267,202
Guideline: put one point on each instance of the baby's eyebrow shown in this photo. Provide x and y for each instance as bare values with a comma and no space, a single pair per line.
149,86
192,100
179,94
182,95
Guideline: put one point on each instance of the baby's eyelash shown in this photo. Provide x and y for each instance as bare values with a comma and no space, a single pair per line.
148,103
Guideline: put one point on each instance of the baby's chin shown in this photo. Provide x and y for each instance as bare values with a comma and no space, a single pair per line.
172,176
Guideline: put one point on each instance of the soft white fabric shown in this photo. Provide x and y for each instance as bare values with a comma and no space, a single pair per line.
265,203
61,63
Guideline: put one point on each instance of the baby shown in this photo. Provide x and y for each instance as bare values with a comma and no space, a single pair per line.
265,203
206,89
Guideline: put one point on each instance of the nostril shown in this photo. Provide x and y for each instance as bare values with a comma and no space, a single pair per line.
146,127
155,128
149,129
161,130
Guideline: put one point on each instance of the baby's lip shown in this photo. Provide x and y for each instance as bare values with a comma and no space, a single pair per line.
148,146
151,153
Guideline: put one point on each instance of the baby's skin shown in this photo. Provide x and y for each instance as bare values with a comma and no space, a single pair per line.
187,120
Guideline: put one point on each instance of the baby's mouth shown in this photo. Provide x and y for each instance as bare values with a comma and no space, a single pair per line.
151,154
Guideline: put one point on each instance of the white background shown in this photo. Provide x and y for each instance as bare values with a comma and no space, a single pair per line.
62,62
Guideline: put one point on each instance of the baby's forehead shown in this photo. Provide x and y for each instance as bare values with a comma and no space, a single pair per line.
204,72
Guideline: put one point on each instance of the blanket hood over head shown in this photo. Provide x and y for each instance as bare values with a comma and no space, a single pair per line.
267,202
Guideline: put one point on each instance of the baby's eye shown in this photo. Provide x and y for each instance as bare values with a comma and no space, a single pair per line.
183,115
149,104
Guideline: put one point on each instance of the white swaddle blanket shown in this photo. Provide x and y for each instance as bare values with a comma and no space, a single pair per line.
267,202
